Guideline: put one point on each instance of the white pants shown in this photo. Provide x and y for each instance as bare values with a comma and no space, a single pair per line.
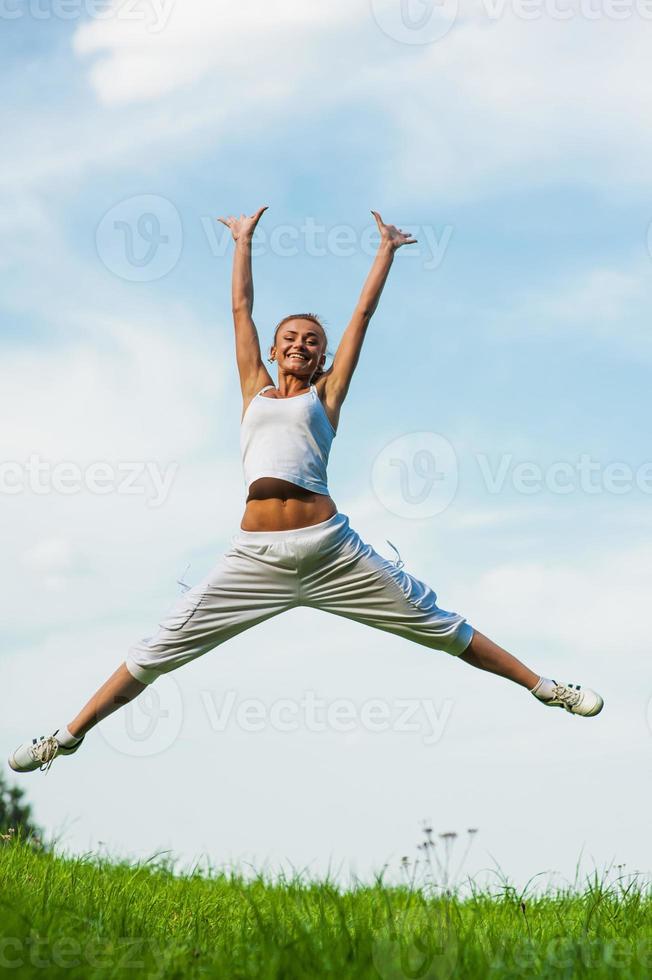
326,566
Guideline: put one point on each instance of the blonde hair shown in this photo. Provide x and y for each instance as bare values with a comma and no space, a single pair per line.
314,319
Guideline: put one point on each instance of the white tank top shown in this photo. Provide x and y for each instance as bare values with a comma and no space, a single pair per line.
287,438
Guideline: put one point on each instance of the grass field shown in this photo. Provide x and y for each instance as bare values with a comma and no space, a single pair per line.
88,917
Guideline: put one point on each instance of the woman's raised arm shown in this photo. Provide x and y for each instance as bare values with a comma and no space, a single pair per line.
348,351
251,369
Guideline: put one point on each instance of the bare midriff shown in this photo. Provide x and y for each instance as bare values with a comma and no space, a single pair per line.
277,505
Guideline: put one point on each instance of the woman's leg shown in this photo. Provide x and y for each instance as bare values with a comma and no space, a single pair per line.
390,598
204,617
249,585
118,690
39,753
487,655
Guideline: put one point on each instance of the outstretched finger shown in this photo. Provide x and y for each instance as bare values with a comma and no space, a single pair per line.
225,221
379,220
260,211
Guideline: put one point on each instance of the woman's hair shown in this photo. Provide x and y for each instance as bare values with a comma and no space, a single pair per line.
305,316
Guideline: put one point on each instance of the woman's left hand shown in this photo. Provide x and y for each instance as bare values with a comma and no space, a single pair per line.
391,236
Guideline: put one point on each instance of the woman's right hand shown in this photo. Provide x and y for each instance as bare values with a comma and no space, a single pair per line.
244,226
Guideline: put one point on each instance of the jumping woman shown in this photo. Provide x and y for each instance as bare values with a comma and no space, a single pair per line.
294,547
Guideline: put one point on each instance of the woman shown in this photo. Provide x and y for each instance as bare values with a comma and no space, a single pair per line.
294,547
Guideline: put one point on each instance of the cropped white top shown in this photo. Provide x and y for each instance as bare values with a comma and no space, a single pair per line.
287,438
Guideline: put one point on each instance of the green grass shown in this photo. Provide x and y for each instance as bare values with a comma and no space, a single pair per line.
90,918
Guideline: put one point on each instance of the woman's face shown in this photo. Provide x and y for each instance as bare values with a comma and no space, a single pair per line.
299,348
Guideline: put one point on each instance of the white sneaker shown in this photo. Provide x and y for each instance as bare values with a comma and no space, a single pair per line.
572,697
40,753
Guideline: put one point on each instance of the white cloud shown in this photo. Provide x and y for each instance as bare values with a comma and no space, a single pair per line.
609,303
530,102
598,296
494,103
591,611
209,38
122,397
52,561
49,554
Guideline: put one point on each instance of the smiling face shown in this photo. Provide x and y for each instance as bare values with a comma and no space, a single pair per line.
299,347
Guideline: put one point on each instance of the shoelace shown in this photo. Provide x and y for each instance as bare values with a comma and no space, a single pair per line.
45,752
565,694
399,563
180,581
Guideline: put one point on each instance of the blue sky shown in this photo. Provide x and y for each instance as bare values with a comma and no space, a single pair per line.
522,148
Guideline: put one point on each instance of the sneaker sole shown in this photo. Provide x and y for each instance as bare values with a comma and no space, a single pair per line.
62,751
